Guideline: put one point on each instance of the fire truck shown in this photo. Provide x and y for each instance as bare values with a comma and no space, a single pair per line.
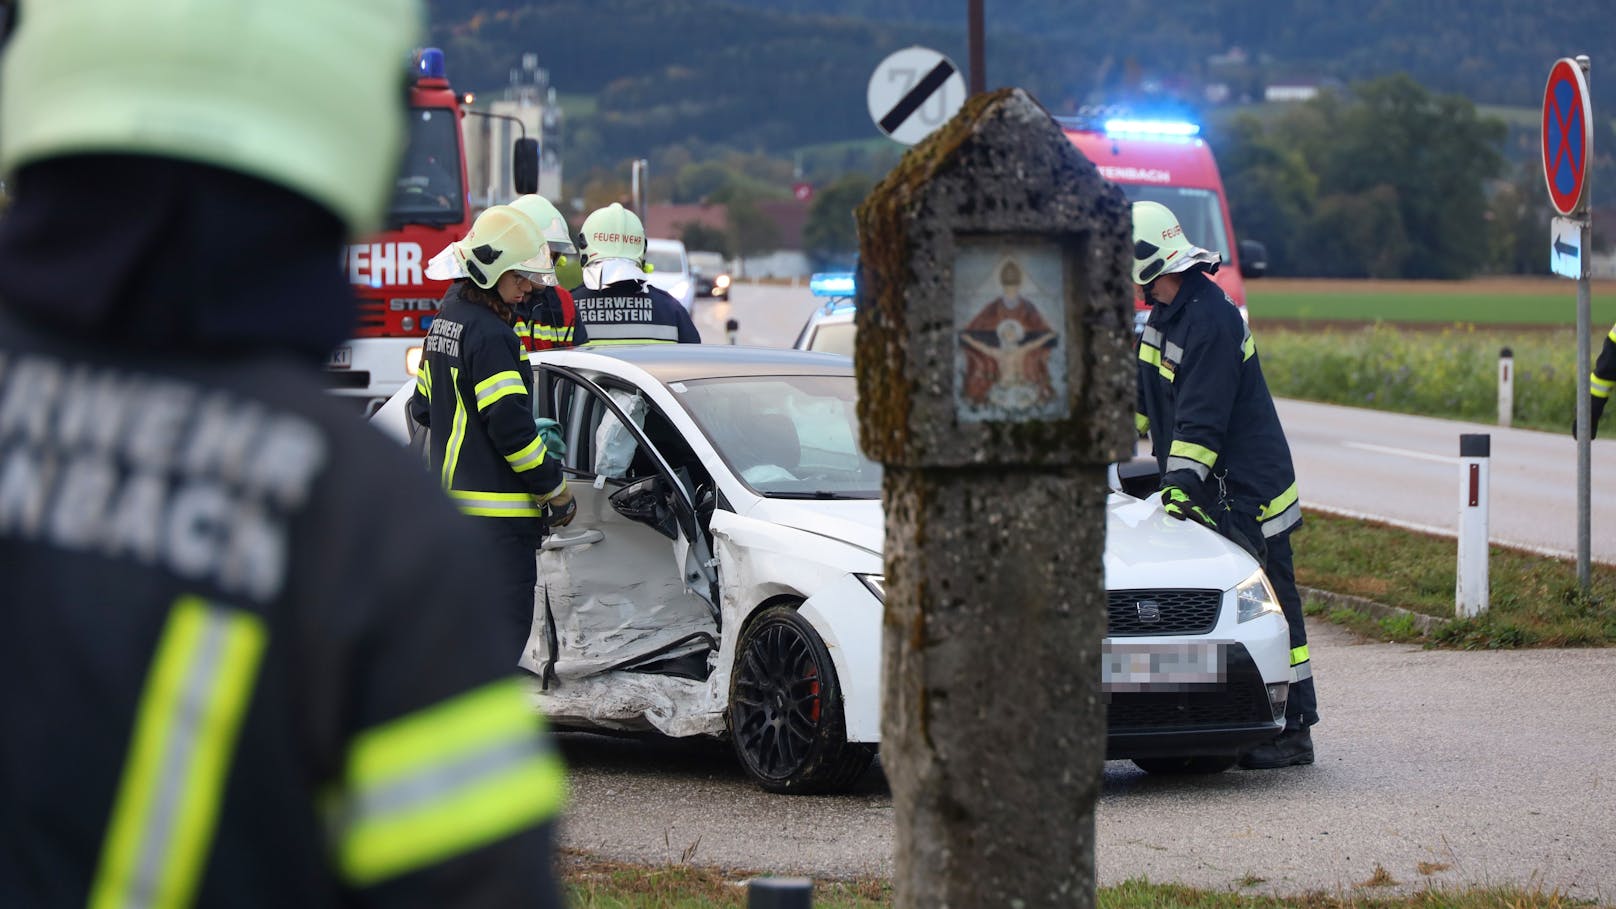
1167,161
429,209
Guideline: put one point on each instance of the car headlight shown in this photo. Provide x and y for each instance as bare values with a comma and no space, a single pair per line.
1255,598
412,360
721,281
877,584
679,288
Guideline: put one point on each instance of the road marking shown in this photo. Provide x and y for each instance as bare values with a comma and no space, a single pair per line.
1401,452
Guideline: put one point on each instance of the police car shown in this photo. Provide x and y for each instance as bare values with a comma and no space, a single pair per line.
723,576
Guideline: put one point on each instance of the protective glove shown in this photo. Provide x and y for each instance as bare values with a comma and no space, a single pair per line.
562,508
1182,493
1596,406
1178,504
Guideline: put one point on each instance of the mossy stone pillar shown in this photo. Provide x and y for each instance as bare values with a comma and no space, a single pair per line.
995,383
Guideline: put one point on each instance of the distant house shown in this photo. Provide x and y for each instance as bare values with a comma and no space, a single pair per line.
790,216
1291,92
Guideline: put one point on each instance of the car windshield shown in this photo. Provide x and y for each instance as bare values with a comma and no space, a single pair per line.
1198,211
833,337
789,437
666,261
427,190
707,262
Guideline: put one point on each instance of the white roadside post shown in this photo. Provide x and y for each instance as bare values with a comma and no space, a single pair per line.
1506,386
1470,589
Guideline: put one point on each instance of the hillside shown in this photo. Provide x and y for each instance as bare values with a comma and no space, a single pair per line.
779,74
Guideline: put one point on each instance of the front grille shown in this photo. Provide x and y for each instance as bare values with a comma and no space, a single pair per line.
1241,700
372,315
1130,613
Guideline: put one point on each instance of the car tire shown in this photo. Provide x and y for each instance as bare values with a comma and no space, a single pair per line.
785,709
1196,765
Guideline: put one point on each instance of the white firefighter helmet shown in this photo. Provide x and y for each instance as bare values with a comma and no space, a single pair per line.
549,220
1159,245
613,244
502,239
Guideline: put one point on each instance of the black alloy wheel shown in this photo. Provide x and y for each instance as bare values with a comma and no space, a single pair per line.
785,709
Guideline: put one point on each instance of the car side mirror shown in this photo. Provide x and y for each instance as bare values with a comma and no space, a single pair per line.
525,166
1253,259
645,501
1139,477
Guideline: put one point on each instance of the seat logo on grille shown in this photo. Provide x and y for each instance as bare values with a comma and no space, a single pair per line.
1149,610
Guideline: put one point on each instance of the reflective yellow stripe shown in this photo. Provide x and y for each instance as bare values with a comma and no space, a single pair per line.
1281,502
1197,453
444,781
1600,388
423,380
1247,347
1141,423
523,330
1298,655
1150,355
190,713
497,504
531,456
457,431
497,386
1612,333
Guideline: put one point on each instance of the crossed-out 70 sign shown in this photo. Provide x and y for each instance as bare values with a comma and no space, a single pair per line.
1567,135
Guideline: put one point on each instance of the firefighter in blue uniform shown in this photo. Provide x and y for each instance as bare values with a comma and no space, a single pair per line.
1601,381
548,318
1216,437
240,670
474,391
616,304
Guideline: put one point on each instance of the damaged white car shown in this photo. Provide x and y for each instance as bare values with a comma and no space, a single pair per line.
723,576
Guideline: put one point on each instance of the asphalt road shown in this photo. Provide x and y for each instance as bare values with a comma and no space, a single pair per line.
1442,768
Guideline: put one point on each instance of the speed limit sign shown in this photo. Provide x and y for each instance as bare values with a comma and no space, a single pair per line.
914,91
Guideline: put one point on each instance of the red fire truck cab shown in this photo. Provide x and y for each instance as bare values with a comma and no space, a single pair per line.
1167,161
429,209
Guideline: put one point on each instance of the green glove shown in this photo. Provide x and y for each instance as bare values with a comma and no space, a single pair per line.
550,432
1178,504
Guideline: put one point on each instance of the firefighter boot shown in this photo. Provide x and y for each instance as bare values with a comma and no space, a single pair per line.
1292,747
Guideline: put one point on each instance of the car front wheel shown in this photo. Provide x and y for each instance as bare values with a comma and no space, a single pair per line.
785,709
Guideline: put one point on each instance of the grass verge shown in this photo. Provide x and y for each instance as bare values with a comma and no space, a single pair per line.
1535,601
595,884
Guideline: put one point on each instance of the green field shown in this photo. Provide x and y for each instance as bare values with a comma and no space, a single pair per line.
1505,302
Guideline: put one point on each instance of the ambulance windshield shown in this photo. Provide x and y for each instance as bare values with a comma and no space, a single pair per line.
1198,211
428,187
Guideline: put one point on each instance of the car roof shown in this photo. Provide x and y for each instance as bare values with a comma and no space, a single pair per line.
660,243
685,362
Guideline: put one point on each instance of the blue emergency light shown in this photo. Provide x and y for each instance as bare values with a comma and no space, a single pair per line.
1167,128
832,284
430,64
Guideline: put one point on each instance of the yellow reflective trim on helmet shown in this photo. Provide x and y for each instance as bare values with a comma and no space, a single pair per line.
186,727
445,780
1299,655
1198,453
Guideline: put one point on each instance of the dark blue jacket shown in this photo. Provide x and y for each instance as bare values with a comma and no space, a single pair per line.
1210,416
633,312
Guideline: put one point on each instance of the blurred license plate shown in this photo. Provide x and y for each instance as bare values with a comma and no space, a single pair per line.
341,358
1141,667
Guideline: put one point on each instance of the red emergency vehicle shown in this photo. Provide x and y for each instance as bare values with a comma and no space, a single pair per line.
1167,161
429,209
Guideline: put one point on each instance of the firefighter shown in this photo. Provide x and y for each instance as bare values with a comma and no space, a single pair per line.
548,318
474,389
1216,437
1600,384
240,670
617,304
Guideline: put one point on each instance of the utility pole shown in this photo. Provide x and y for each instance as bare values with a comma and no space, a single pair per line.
978,55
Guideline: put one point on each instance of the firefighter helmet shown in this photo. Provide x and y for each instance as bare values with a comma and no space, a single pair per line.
314,103
549,220
502,239
612,232
1159,245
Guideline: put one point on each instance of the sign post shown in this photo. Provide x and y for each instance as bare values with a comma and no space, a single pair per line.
1567,141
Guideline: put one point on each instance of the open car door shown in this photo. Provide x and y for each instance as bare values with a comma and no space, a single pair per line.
628,586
